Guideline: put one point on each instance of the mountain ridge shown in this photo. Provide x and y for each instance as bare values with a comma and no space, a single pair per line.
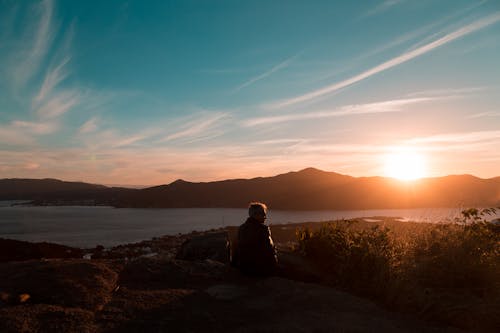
306,189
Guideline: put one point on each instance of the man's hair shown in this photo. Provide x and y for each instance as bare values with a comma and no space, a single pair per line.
255,208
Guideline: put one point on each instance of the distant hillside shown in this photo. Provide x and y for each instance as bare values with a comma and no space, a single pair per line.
50,190
315,189
307,189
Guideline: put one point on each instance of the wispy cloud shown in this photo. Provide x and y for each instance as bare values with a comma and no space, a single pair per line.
280,141
274,69
396,105
129,140
52,79
59,104
443,20
382,7
484,114
51,100
111,138
450,91
35,128
197,127
474,136
89,126
20,132
35,46
39,45
467,29
448,18
11,136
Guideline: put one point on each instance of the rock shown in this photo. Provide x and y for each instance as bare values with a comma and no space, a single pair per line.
294,266
45,318
14,250
151,274
212,245
156,273
75,283
226,291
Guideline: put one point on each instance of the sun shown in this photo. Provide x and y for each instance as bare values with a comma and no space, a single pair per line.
405,164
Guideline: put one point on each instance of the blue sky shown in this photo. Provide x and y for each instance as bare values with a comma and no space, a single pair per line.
145,92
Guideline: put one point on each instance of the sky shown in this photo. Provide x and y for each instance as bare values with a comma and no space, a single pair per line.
147,92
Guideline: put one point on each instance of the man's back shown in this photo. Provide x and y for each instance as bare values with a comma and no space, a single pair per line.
256,254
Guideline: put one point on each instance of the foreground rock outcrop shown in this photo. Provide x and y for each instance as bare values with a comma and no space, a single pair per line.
166,295
144,287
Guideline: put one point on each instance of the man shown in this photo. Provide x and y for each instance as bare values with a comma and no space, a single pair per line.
255,252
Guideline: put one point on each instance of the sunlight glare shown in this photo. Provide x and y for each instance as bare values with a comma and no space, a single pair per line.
405,165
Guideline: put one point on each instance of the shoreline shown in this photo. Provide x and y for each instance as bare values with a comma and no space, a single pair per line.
283,233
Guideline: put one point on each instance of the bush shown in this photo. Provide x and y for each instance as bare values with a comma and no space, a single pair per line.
457,256
355,259
445,272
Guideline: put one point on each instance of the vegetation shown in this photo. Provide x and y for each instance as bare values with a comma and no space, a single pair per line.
444,272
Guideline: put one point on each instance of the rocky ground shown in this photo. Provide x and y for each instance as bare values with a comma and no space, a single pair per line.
163,286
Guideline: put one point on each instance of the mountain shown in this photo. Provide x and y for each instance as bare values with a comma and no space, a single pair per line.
308,189
281,191
311,189
51,190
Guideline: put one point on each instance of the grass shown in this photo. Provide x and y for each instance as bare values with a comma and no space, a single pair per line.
444,272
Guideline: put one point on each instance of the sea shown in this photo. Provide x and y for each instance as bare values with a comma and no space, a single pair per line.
89,226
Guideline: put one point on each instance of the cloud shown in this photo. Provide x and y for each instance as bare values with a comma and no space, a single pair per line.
42,39
348,110
50,101
197,128
465,30
29,51
382,7
111,138
89,126
23,132
274,142
129,140
484,114
463,137
35,128
276,68
450,91
59,104
52,79
11,136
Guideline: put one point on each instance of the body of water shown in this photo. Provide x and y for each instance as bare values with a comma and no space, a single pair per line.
90,226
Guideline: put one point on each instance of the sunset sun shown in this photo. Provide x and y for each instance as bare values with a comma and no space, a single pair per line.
405,165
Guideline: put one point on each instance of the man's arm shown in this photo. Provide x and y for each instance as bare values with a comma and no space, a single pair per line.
267,244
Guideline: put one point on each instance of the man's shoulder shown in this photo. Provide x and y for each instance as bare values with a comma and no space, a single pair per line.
252,225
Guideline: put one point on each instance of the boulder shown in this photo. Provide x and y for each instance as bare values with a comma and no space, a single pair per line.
14,250
46,318
211,245
69,283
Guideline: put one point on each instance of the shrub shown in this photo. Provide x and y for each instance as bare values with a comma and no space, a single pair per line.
355,259
445,272
457,256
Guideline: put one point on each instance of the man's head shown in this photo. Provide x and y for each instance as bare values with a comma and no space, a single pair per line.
257,211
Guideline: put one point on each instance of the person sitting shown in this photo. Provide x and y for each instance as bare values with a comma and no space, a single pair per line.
255,252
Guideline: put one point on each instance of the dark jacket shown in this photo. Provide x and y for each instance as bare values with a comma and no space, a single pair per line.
255,253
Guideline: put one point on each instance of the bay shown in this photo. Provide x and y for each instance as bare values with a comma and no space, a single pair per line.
84,226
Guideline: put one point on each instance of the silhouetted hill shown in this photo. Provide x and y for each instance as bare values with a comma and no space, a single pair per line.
315,189
51,190
307,189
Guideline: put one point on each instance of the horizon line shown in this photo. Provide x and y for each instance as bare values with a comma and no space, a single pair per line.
143,186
